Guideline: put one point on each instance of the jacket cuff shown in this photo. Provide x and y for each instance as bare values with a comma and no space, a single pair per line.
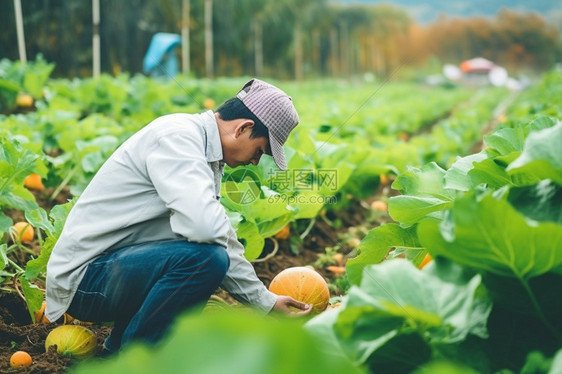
266,301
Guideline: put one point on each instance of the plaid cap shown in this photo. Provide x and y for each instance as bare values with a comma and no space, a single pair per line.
275,109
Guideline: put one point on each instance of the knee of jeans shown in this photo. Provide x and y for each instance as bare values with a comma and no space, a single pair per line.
219,260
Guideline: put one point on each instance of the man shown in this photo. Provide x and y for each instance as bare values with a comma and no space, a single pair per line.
148,238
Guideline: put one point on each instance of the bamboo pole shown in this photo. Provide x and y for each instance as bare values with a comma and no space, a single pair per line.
334,59
19,28
258,47
96,38
344,49
298,51
209,38
185,63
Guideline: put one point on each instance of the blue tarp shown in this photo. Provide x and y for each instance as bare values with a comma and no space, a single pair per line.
161,52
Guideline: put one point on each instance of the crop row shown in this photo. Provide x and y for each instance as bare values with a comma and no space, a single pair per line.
348,138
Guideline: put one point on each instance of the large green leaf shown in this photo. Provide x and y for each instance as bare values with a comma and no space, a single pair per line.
541,156
411,209
5,222
507,140
556,366
53,228
457,176
489,172
425,181
308,203
541,202
38,218
249,233
376,245
444,367
396,298
36,76
34,296
424,194
228,342
489,234
19,198
321,326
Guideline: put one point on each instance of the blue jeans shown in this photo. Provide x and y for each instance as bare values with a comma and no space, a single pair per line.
143,287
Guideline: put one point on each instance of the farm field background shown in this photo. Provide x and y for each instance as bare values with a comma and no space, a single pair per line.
381,174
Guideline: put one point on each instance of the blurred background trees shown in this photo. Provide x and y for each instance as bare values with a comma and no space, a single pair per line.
285,39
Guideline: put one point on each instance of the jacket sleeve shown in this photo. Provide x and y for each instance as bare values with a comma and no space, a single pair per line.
241,280
183,179
179,171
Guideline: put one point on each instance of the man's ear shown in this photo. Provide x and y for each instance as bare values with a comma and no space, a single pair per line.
242,126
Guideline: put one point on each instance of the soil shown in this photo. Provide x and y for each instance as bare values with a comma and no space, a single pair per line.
17,332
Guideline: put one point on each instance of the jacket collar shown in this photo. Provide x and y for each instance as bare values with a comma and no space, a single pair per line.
213,150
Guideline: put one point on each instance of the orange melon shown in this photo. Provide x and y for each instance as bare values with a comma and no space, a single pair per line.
22,232
284,232
33,182
20,359
303,284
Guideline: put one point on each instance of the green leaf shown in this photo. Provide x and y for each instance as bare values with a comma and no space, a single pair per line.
331,180
321,326
36,76
542,122
38,218
412,209
92,161
541,156
396,298
33,296
490,173
505,141
536,362
427,181
457,176
57,215
361,330
20,199
5,222
424,193
376,245
401,354
231,341
541,202
308,204
556,366
444,367
3,256
490,235
249,233
449,314
271,227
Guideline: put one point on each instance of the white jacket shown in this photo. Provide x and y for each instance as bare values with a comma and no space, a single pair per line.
162,183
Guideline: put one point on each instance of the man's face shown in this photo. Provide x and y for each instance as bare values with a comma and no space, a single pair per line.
246,150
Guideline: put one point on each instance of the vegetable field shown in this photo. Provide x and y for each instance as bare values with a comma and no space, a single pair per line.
433,213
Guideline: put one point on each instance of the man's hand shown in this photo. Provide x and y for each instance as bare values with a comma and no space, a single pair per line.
287,305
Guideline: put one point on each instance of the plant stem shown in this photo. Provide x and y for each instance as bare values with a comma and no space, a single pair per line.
271,254
16,266
308,228
538,309
15,282
64,182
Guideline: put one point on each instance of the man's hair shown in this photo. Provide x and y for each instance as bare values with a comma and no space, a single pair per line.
234,108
